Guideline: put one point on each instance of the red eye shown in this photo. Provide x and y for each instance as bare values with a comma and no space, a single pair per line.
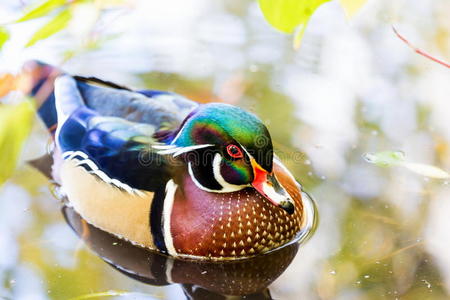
234,151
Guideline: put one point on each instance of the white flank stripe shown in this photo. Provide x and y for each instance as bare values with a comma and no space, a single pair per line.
82,154
122,185
88,162
171,188
102,175
69,155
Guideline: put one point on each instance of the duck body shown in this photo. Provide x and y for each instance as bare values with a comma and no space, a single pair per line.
167,173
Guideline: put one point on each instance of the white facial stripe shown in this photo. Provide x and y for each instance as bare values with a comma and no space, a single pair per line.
175,151
190,148
226,187
177,136
245,150
69,155
168,151
171,188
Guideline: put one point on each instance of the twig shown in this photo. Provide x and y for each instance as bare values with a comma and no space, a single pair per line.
398,251
419,51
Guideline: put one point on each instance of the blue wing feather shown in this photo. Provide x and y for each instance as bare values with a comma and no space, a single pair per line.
118,147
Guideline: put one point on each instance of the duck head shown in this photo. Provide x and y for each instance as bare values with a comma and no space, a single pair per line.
228,149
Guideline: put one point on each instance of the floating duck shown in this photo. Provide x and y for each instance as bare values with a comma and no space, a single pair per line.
167,173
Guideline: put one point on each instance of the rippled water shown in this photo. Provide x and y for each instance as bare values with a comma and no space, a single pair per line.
353,88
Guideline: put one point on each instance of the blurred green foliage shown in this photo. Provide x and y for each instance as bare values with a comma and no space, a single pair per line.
4,36
41,10
58,23
60,13
15,125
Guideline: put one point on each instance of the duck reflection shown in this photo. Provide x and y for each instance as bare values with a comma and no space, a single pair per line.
248,278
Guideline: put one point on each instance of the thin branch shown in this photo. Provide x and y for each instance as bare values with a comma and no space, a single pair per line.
419,51
398,251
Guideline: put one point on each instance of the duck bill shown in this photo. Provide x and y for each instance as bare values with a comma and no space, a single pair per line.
269,187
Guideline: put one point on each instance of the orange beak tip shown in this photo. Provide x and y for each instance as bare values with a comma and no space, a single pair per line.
268,186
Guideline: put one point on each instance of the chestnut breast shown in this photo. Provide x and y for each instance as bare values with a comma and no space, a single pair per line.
230,225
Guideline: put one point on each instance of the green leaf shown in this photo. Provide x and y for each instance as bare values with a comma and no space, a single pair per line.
385,159
41,10
58,23
15,125
4,36
286,15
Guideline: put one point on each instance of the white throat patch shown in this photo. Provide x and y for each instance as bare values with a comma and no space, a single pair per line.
226,187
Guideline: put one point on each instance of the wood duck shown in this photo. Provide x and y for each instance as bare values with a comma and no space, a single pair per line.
167,173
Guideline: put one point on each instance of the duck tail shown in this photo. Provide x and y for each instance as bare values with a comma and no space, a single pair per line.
39,83
56,93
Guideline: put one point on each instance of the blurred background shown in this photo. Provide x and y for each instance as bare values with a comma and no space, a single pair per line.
351,88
